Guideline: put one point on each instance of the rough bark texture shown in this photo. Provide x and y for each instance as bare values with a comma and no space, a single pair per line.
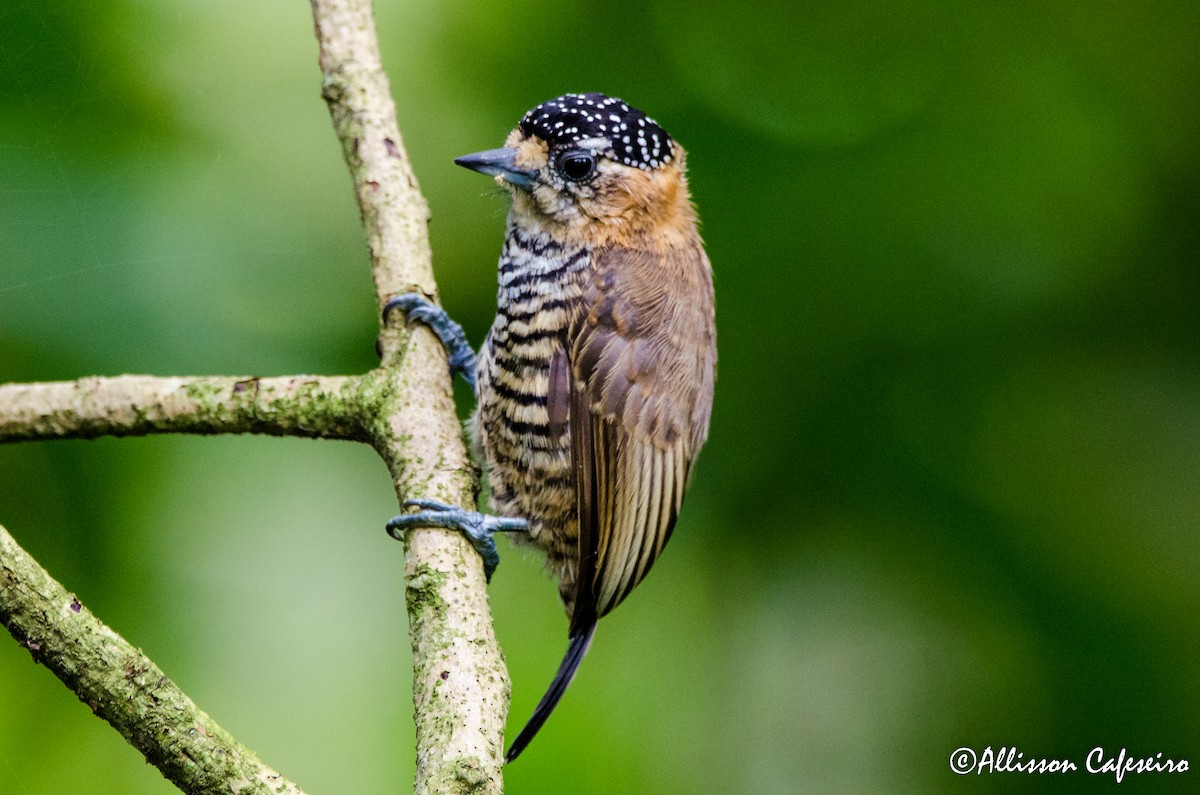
136,405
122,686
404,409
460,683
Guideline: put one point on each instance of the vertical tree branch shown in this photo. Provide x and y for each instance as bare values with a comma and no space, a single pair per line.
394,213
460,683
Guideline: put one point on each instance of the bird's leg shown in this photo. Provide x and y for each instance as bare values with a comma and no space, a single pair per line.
417,308
477,527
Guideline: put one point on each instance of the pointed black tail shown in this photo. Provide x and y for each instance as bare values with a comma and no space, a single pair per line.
566,672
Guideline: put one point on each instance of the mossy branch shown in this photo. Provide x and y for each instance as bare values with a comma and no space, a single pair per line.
460,683
136,405
122,685
404,409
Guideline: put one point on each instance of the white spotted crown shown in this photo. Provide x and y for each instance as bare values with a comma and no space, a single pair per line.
607,124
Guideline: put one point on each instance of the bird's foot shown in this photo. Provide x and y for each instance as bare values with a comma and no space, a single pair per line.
417,308
477,527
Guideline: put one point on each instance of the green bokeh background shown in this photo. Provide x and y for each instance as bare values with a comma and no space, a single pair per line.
952,492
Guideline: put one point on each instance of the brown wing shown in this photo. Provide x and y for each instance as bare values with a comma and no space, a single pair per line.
635,390
642,365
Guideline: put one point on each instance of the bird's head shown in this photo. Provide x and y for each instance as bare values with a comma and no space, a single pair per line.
592,167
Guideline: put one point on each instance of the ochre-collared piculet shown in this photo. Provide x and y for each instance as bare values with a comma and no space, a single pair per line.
594,386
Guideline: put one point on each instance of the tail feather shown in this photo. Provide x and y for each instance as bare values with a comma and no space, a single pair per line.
566,672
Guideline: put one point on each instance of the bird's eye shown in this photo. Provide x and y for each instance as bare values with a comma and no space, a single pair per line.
576,165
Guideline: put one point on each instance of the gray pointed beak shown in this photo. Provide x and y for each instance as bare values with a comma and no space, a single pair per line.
499,162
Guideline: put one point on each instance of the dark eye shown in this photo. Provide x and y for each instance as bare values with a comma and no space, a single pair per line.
576,165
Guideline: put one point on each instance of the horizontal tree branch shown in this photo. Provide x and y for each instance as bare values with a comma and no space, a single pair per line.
135,405
122,686
460,686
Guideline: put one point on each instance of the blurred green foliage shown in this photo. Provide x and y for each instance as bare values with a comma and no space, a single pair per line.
951,494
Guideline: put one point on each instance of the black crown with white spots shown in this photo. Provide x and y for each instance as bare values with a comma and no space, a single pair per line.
633,137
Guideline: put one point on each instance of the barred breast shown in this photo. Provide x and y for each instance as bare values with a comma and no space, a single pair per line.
526,450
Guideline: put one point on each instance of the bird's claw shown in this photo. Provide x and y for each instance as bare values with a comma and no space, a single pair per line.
479,528
417,308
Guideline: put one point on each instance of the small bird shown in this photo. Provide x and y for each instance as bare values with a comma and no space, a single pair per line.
594,386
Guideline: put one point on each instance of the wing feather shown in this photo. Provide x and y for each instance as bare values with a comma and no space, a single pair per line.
642,360
634,390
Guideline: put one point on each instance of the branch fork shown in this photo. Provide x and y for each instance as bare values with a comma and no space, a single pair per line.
404,409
